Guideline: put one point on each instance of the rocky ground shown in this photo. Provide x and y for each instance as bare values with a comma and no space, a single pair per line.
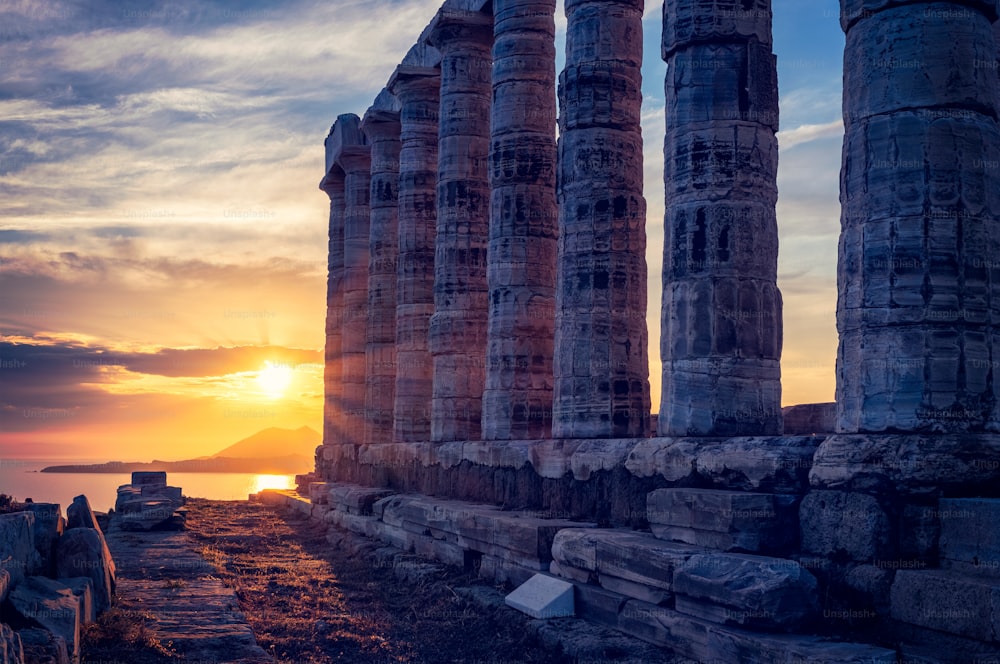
309,601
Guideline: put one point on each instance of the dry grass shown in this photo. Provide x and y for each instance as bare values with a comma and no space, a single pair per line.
309,602
121,636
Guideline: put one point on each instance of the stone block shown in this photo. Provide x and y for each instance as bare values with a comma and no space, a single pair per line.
48,527
11,650
83,590
83,552
571,573
17,545
948,602
543,597
635,590
356,499
912,463
42,646
777,465
598,605
142,478
766,592
623,554
970,535
724,520
43,602
705,641
920,530
837,523
504,571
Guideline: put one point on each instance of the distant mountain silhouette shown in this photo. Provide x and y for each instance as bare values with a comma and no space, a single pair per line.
273,451
272,442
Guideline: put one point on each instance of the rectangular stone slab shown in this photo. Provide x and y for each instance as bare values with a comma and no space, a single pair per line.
970,535
356,499
947,602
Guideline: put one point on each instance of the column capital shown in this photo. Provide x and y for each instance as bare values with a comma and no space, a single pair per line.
333,182
413,82
380,124
355,158
452,28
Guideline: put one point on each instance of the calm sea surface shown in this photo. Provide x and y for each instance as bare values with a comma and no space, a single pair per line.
21,479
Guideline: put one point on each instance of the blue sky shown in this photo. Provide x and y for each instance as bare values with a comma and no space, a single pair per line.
159,164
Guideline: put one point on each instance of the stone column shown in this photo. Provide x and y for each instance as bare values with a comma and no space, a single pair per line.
355,160
417,89
383,131
333,368
601,362
458,327
721,317
521,267
919,270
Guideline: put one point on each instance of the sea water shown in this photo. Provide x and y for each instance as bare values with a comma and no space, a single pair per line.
21,479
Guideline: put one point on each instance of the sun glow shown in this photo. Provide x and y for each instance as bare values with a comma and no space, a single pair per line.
262,482
274,379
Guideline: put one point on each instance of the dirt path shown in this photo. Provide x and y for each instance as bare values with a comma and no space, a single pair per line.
309,601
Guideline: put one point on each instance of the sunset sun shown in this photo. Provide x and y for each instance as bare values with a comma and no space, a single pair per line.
274,379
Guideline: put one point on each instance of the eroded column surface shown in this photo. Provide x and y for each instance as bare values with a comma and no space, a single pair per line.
521,257
383,132
355,160
721,317
601,364
458,326
417,89
333,368
919,271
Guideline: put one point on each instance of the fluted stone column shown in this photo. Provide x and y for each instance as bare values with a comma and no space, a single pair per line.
355,160
919,272
521,268
601,362
417,89
383,132
333,368
458,326
721,315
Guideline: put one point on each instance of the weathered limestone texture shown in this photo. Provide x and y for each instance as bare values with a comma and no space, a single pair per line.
461,309
721,329
521,268
920,192
333,368
601,366
383,131
354,158
418,91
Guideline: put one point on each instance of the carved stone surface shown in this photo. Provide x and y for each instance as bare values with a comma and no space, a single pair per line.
418,91
461,309
521,269
382,129
601,366
721,327
333,368
354,159
919,240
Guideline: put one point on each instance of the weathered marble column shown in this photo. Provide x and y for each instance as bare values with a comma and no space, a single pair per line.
333,368
721,317
383,132
919,271
417,89
355,160
601,362
458,326
521,267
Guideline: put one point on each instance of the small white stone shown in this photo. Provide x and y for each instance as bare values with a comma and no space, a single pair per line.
543,597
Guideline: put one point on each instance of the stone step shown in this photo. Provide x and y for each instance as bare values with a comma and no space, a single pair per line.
970,535
725,520
949,602
707,641
355,498
757,591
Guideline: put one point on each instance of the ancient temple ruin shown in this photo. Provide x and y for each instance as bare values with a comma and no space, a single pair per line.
487,389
